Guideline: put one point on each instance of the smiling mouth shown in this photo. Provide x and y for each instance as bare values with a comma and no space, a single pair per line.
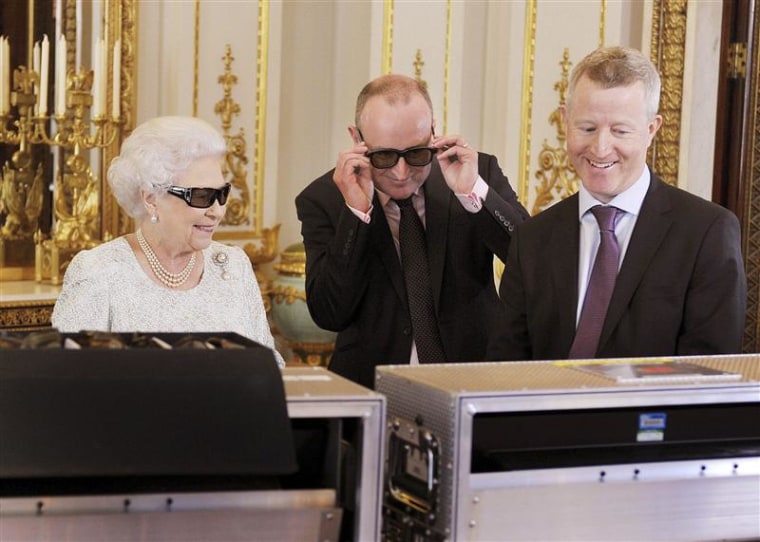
600,165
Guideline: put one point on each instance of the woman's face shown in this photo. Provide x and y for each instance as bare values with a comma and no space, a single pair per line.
189,228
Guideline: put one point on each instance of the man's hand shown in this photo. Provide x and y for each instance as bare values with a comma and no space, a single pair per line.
459,163
353,178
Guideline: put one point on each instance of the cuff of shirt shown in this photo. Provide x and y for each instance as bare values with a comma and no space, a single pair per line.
473,202
364,217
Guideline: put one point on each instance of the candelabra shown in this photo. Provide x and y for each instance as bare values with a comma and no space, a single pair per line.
76,190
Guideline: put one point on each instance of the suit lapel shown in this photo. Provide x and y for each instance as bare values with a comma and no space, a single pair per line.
651,227
564,243
382,239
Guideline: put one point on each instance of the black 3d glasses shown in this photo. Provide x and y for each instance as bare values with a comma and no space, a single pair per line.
201,198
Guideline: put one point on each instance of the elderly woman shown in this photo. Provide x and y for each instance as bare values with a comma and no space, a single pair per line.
168,276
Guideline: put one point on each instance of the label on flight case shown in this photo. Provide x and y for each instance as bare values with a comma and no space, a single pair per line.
651,427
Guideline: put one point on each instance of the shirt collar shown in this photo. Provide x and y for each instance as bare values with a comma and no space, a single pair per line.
385,198
629,200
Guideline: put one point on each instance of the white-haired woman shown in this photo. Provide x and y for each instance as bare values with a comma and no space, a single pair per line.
168,276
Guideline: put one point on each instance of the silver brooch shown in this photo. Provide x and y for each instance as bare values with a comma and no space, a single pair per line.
221,259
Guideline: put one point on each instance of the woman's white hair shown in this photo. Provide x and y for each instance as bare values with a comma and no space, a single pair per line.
155,154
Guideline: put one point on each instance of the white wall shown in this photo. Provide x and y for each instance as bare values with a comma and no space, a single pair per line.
321,54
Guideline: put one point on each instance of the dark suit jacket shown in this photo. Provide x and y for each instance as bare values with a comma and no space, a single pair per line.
355,285
681,289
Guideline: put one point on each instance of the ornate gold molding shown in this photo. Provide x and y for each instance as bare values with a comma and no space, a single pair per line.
26,315
668,47
386,59
115,221
262,62
529,59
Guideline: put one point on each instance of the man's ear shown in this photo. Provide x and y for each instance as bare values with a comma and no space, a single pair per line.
356,137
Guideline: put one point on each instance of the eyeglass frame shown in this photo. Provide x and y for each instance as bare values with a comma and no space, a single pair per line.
399,153
186,194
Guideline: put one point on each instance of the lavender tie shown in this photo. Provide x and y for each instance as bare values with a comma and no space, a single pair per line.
419,293
600,286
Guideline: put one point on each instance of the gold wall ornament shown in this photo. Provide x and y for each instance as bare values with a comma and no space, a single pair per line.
418,65
233,169
557,177
668,47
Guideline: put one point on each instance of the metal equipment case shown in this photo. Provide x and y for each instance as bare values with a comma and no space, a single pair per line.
546,451
184,445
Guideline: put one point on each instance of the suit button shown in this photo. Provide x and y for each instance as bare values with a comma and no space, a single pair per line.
407,331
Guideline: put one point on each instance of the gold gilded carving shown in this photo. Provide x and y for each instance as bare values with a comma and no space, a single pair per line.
234,169
312,354
557,178
288,294
667,52
25,316
266,251
20,197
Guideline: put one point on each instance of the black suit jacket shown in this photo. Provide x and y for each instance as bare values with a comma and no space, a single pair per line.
354,280
681,289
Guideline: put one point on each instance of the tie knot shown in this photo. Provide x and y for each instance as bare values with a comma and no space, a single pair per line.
407,202
605,216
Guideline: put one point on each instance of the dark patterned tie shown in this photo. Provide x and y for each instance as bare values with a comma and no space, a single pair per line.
600,286
418,290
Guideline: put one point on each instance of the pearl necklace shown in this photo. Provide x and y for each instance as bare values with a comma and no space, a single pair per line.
169,279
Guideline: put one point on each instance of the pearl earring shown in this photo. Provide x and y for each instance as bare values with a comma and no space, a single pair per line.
153,219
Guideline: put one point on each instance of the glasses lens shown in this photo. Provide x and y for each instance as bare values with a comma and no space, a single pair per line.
202,197
419,157
383,159
223,193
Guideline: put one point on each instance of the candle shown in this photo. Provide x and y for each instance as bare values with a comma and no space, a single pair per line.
60,84
96,106
44,68
7,74
103,77
116,105
3,70
36,69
